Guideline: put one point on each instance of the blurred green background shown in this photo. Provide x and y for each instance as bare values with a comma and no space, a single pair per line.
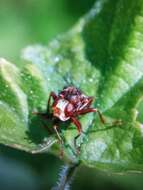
24,22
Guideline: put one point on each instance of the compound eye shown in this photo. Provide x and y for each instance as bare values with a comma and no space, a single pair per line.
69,108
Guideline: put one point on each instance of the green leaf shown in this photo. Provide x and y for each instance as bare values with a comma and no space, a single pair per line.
103,56
15,106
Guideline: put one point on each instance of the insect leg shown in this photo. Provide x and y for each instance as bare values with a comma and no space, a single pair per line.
54,96
60,140
88,110
114,123
78,125
90,100
100,116
57,133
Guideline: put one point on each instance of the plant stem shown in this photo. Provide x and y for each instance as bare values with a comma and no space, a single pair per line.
66,176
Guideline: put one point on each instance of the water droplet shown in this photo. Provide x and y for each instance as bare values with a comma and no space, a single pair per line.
56,59
91,80
31,91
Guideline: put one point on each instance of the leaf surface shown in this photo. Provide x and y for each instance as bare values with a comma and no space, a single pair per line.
103,56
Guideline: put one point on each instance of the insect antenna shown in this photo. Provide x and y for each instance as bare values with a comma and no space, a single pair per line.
69,80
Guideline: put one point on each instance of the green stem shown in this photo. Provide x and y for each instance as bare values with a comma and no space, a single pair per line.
66,176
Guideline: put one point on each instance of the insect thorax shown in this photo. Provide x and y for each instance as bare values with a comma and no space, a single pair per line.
59,109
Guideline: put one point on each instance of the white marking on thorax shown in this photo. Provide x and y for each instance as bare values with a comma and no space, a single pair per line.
62,105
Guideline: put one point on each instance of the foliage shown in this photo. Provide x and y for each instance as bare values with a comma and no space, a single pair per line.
102,55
